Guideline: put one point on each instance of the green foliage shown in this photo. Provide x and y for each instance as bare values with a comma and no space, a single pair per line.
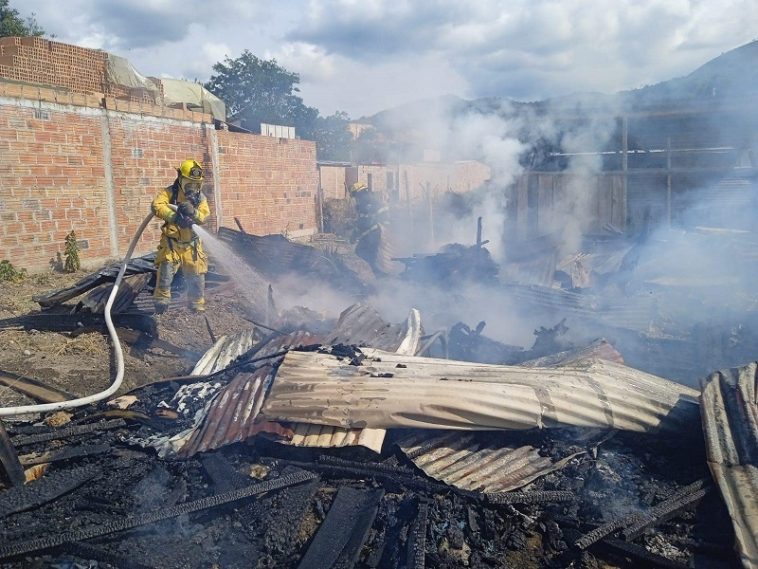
9,273
333,139
71,252
12,24
257,90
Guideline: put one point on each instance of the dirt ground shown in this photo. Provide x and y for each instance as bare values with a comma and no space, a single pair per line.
81,365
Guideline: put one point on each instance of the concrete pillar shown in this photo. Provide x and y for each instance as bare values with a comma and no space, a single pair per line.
110,198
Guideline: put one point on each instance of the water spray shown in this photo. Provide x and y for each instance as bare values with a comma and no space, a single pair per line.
81,401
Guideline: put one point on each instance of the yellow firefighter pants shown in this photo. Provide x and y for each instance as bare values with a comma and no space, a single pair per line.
191,260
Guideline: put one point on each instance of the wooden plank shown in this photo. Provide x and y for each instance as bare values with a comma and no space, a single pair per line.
9,459
34,388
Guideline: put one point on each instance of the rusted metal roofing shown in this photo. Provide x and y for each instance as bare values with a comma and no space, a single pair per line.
231,415
388,390
600,349
729,404
470,462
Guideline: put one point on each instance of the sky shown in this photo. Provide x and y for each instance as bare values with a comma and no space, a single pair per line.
364,56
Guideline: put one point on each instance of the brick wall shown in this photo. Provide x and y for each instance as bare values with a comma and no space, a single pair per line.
144,156
78,69
51,181
269,184
71,161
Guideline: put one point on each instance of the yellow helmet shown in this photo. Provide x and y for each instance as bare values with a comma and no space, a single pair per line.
358,187
191,170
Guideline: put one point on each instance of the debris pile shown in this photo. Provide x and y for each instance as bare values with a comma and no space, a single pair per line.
358,443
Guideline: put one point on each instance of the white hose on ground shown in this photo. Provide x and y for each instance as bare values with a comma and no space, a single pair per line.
71,403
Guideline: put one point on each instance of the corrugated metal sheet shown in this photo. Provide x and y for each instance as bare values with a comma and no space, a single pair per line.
598,350
729,405
633,313
224,351
364,322
230,416
361,325
388,390
469,462
322,436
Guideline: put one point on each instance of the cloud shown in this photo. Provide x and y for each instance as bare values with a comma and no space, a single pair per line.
535,48
127,25
361,55
363,89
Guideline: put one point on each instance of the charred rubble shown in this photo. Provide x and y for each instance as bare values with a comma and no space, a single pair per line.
360,443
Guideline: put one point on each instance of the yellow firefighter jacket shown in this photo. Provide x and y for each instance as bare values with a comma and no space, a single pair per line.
180,245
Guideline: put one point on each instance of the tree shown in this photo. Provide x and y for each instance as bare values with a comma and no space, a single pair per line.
333,139
12,24
257,90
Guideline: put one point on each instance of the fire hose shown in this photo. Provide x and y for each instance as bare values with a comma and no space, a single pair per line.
81,401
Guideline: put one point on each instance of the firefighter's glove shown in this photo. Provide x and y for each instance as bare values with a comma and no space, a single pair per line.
183,220
186,209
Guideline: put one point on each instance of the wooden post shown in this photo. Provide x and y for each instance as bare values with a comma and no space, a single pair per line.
479,231
625,161
408,200
431,214
320,198
668,179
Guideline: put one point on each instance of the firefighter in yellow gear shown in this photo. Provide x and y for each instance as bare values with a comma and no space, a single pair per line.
180,247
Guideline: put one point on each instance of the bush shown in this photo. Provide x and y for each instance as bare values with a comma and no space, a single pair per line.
71,252
9,273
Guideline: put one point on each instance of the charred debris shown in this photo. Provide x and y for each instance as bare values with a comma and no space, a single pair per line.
306,442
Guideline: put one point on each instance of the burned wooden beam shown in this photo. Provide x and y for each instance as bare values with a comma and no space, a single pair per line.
34,388
636,523
416,545
533,497
21,547
66,432
65,453
638,555
71,322
222,473
340,538
48,488
379,472
9,459
87,551
606,529
677,503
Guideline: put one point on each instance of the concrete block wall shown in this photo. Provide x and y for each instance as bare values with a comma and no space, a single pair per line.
332,180
74,161
415,180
